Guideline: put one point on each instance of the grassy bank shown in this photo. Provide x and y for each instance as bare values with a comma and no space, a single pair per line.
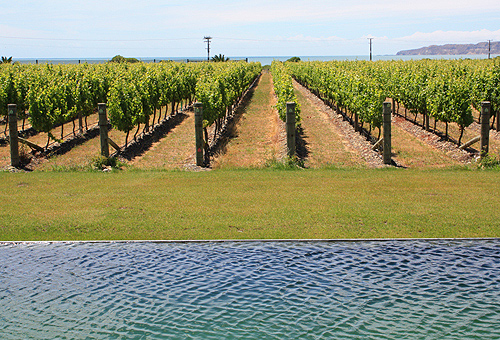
224,204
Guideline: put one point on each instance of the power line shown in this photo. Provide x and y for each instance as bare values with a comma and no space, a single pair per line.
95,40
113,48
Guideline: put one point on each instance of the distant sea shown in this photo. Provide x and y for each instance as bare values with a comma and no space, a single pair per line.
264,60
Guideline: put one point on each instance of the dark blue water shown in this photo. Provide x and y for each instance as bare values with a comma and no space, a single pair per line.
289,290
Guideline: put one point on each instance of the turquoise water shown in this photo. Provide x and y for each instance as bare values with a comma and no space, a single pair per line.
248,290
264,60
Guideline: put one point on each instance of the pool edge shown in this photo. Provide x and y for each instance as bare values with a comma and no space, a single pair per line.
261,240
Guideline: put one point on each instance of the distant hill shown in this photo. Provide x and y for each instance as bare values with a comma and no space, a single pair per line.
454,49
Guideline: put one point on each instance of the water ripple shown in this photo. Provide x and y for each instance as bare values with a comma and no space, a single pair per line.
312,290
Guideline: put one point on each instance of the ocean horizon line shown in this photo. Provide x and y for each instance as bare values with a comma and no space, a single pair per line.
262,59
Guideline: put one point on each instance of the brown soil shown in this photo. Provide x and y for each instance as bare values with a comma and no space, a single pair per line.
436,138
80,155
438,152
330,141
175,151
259,134
410,147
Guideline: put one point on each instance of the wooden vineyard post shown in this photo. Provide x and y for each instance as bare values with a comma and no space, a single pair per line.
485,128
387,133
290,128
103,129
198,131
14,142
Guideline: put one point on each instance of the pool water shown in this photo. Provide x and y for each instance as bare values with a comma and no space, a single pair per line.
251,290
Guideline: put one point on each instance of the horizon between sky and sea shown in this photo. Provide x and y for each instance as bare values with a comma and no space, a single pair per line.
97,29
264,60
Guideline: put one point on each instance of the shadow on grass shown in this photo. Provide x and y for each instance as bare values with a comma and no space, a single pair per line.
442,135
229,130
142,144
301,145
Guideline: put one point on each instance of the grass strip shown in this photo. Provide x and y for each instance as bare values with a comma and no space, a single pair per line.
256,136
249,204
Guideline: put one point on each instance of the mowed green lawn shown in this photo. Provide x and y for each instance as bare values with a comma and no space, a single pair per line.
249,204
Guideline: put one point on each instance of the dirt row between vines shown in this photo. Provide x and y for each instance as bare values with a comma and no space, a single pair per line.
435,138
408,149
260,138
329,140
257,135
174,155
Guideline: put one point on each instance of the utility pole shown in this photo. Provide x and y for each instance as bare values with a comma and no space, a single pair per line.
489,49
370,48
207,40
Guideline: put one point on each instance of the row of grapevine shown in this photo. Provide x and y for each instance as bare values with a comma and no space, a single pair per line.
51,94
352,86
220,86
446,90
283,88
55,94
137,94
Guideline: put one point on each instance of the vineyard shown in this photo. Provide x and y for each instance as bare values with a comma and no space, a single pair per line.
48,97
57,104
446,91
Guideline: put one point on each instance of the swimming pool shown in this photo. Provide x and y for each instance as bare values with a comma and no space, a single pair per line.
253,290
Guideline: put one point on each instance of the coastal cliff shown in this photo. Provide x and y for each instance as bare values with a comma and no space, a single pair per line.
454,49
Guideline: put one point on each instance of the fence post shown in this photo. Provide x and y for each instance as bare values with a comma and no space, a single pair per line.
103,129
485,128
14,142
387,133
290,128
198,131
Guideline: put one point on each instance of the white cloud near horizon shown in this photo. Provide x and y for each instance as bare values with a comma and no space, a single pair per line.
443,37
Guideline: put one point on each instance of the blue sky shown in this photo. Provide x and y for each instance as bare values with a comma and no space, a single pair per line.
171,28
